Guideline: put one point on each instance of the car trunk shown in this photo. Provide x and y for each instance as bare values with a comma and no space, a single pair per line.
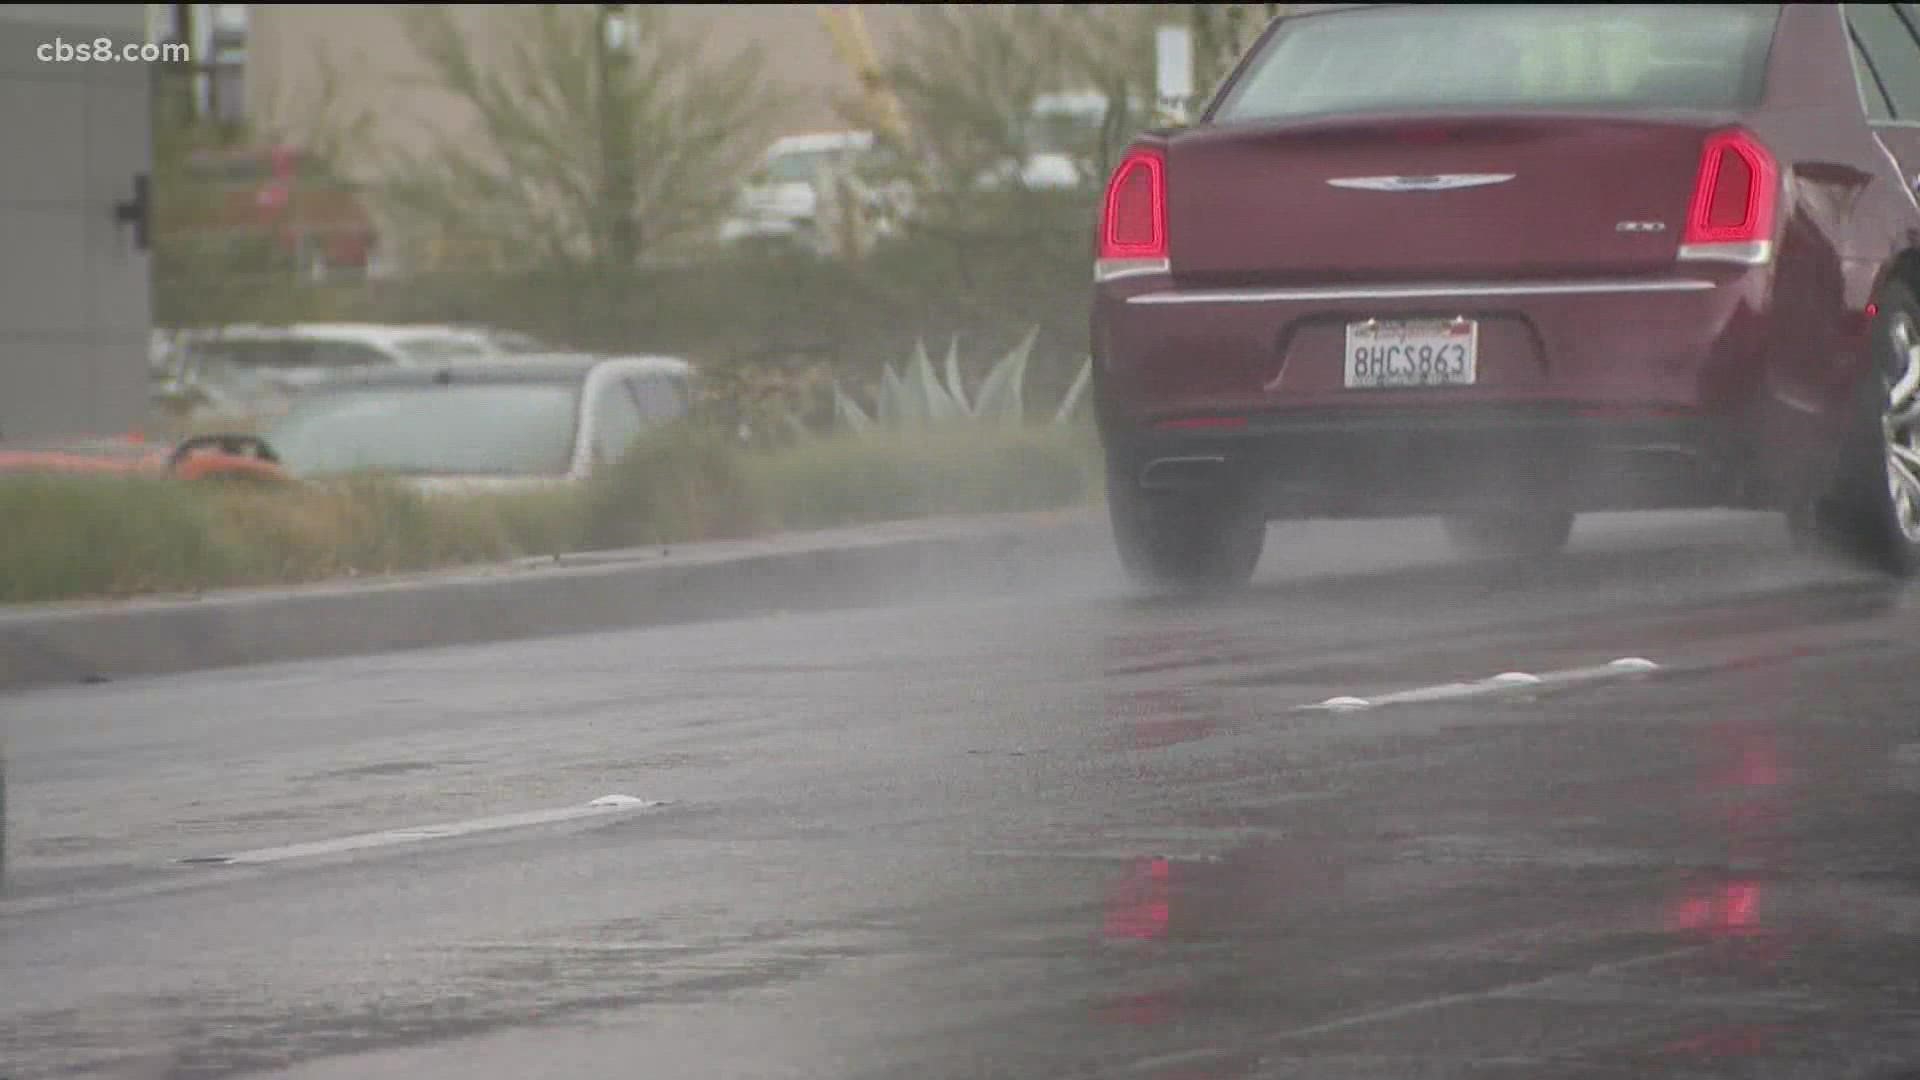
1386,199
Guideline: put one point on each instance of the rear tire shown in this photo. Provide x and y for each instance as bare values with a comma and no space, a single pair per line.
1513,534
1872,512
1202,541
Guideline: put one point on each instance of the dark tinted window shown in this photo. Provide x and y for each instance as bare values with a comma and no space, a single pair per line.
616,422
660,397
286,353
517,429
347,354
1892,52
429,350
801,167
1406,58
511,342
1872,95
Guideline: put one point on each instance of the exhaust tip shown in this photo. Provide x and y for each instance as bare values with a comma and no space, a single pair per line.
1182,471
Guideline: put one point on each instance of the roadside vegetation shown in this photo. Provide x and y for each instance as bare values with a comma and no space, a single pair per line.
73,537
939,368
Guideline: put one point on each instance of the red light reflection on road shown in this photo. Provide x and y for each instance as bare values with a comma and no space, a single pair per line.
1745,784
1726,910
1138,1010
1138,908
1751,756
1727,1042
1166,719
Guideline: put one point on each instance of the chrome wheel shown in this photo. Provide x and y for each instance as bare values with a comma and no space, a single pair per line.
1868,508
1900,426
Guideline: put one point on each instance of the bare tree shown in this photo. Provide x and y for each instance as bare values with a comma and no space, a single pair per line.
320,117
1221,33
1109,48
596,146
971,76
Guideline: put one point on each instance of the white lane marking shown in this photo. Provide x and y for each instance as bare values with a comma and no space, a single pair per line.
1394,1012
1134,855
619,802
1506,682
1183,1057
601,807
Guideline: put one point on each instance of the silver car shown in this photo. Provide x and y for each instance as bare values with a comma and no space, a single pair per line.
527,422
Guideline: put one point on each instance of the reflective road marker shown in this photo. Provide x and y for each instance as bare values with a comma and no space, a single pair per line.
1505,683
601,807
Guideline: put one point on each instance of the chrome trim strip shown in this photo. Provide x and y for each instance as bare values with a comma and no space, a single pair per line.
1415,292
1115,269
1441,182
1656,448
1757,253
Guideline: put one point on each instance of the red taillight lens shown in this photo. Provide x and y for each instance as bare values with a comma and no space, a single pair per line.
1733,199
1134,223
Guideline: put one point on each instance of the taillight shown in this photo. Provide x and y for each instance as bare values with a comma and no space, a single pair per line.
1133,218
1734,199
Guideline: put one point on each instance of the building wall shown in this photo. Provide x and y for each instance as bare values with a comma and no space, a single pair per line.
74,299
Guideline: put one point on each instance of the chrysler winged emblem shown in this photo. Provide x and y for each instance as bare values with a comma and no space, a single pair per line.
1447,182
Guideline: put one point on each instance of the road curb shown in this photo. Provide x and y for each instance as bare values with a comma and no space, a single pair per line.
91,642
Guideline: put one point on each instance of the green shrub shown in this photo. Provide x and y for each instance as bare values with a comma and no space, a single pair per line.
677,483
532,522
108,536
63,537
918,397
901,474
359,525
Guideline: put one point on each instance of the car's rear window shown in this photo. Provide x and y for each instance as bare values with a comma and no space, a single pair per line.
472,429
1416,58
430,350
285,353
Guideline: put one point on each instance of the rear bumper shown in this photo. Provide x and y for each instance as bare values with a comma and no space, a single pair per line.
1624,393
1390,464
1693,340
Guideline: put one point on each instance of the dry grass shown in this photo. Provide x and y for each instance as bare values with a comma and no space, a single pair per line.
68,537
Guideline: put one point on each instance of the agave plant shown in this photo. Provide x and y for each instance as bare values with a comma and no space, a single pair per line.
917,397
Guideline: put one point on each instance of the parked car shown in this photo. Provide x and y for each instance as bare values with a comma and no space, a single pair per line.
1062,131
257,369
509,342
526,422
781,201
1510,264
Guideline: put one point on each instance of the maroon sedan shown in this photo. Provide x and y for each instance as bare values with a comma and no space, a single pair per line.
1506,264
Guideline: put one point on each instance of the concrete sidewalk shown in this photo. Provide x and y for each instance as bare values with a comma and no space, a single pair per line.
90,641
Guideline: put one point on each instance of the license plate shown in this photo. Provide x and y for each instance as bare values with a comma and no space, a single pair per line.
1387,355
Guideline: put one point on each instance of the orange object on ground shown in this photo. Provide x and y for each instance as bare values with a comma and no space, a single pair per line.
200,458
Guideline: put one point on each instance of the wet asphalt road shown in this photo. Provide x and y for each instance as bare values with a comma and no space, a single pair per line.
1056,835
